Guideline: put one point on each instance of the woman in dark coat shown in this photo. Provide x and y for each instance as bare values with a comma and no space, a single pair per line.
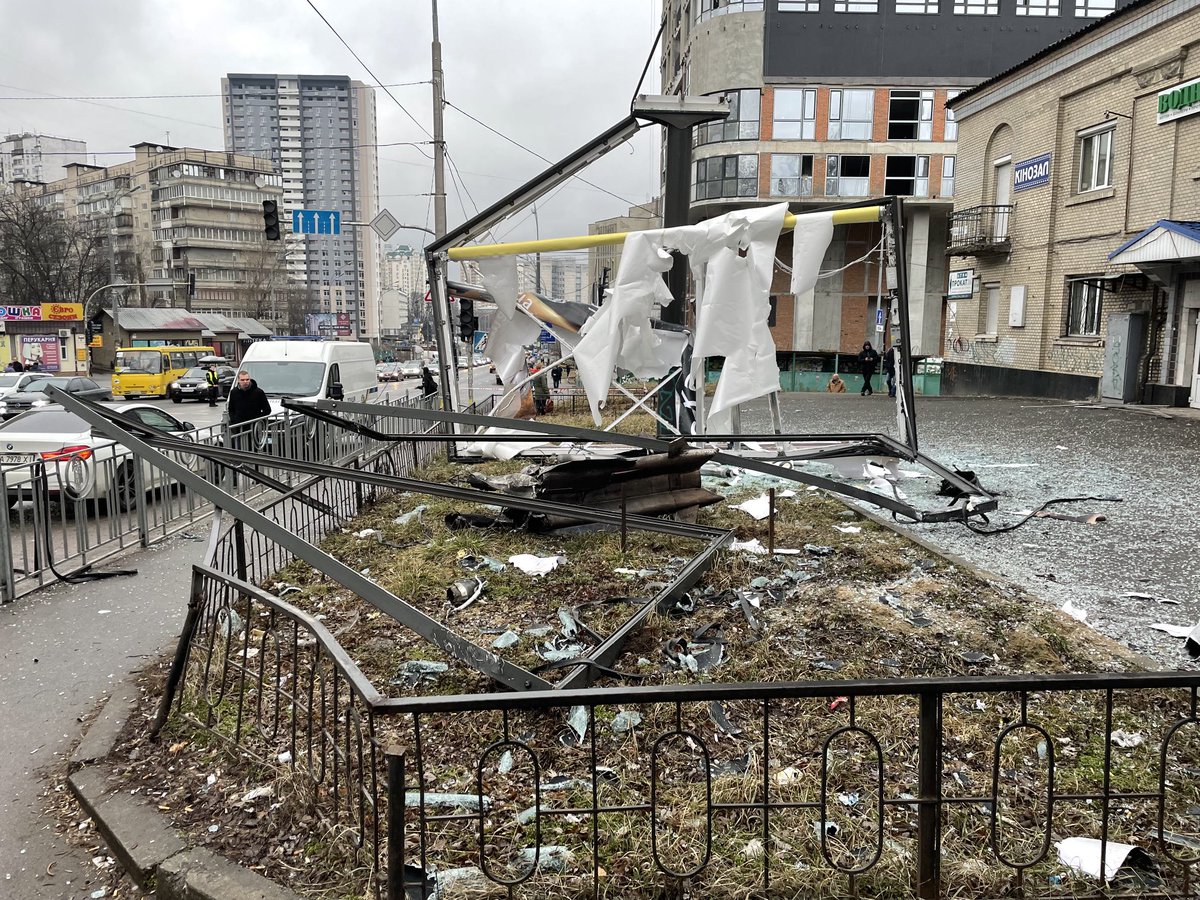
869,361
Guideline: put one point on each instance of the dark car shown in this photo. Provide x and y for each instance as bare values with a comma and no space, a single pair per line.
33,395
193,384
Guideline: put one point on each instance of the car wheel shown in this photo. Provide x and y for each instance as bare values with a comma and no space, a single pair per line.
175,398
125,488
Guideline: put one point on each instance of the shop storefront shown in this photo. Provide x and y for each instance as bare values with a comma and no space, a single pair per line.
49,337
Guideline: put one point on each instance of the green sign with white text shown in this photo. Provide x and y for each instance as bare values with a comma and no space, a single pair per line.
1179,101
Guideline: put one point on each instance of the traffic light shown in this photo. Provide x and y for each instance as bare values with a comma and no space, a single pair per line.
271,220
466,319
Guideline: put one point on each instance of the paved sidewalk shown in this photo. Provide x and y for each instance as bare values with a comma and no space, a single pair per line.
62,650
1030,451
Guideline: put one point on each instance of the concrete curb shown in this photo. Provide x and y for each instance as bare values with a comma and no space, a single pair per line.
141,837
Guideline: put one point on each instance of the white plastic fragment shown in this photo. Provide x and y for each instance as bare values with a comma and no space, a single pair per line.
1128,738
365,533
1083,855
252,795
1175,631
1075,612
536,565
757,508
847,529
285,757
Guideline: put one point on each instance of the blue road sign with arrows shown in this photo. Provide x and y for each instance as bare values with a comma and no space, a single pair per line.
316,221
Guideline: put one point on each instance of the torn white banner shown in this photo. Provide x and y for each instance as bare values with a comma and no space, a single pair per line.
511,329
620,333
810,240
1083,855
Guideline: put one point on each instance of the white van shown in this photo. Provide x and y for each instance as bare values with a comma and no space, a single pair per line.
312,370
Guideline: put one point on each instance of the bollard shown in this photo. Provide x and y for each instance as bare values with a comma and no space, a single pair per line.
771,521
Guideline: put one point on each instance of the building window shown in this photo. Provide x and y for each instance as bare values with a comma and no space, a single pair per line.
791,175
850,115
795,114
1095,159
742,124
910,116
991,310
799,5
706,9
907,176
847,176
917,7
947,176
726,176
1094,8
1037,7
951,132
1083,310
977,7
856,6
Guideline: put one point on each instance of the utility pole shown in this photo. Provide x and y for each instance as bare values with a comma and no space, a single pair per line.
443,329
439,146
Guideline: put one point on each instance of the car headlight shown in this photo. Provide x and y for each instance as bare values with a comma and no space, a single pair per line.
174,385
37,403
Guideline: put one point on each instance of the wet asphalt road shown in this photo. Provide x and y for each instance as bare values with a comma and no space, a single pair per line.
1028,452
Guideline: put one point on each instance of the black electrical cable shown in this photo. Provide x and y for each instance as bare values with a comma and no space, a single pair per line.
1004,529
649,59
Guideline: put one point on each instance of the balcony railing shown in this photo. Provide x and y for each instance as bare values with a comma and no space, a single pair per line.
980,230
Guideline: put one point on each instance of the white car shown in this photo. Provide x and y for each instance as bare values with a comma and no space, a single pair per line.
411,369
11,382
80,465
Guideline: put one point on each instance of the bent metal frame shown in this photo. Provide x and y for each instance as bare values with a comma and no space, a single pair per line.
162,452
456,246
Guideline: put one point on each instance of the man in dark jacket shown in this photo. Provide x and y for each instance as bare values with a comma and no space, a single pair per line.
428,385
891,357
247,401
869,360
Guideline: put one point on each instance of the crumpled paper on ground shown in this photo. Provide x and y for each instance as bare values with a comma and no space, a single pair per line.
536,565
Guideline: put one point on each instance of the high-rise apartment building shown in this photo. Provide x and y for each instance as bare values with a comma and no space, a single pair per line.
37,158
833,101
319,131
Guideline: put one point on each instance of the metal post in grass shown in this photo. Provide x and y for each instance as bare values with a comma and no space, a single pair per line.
8,578
182,649
929,791
395,824
771,521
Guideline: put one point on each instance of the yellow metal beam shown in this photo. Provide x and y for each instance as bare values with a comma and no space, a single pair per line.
582,242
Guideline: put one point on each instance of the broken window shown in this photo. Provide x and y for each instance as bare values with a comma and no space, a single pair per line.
742,124
847,176
907,176
1083,309
726,176
910,116
791,174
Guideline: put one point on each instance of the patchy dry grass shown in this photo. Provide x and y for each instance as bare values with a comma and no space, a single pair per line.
860,604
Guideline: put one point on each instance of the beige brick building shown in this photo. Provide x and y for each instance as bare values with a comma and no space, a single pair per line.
1074,245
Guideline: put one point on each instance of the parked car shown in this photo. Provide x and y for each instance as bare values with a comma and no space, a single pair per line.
33,394
194,384
11,382
81,465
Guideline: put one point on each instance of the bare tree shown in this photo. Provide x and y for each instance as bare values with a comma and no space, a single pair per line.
46,257
266,292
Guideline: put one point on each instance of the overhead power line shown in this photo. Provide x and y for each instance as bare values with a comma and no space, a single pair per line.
376,78
136,112
160,96
415,144
517,143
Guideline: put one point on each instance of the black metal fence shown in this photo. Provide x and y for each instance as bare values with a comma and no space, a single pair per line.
891,788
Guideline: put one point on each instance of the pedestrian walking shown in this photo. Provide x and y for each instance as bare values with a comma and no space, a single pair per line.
869,361
891,358
247,402
556,373
428,385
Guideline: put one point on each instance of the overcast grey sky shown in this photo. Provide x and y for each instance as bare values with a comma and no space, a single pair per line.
549,73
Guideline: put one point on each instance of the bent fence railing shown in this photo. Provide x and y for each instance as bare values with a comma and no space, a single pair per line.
63,518
900,788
